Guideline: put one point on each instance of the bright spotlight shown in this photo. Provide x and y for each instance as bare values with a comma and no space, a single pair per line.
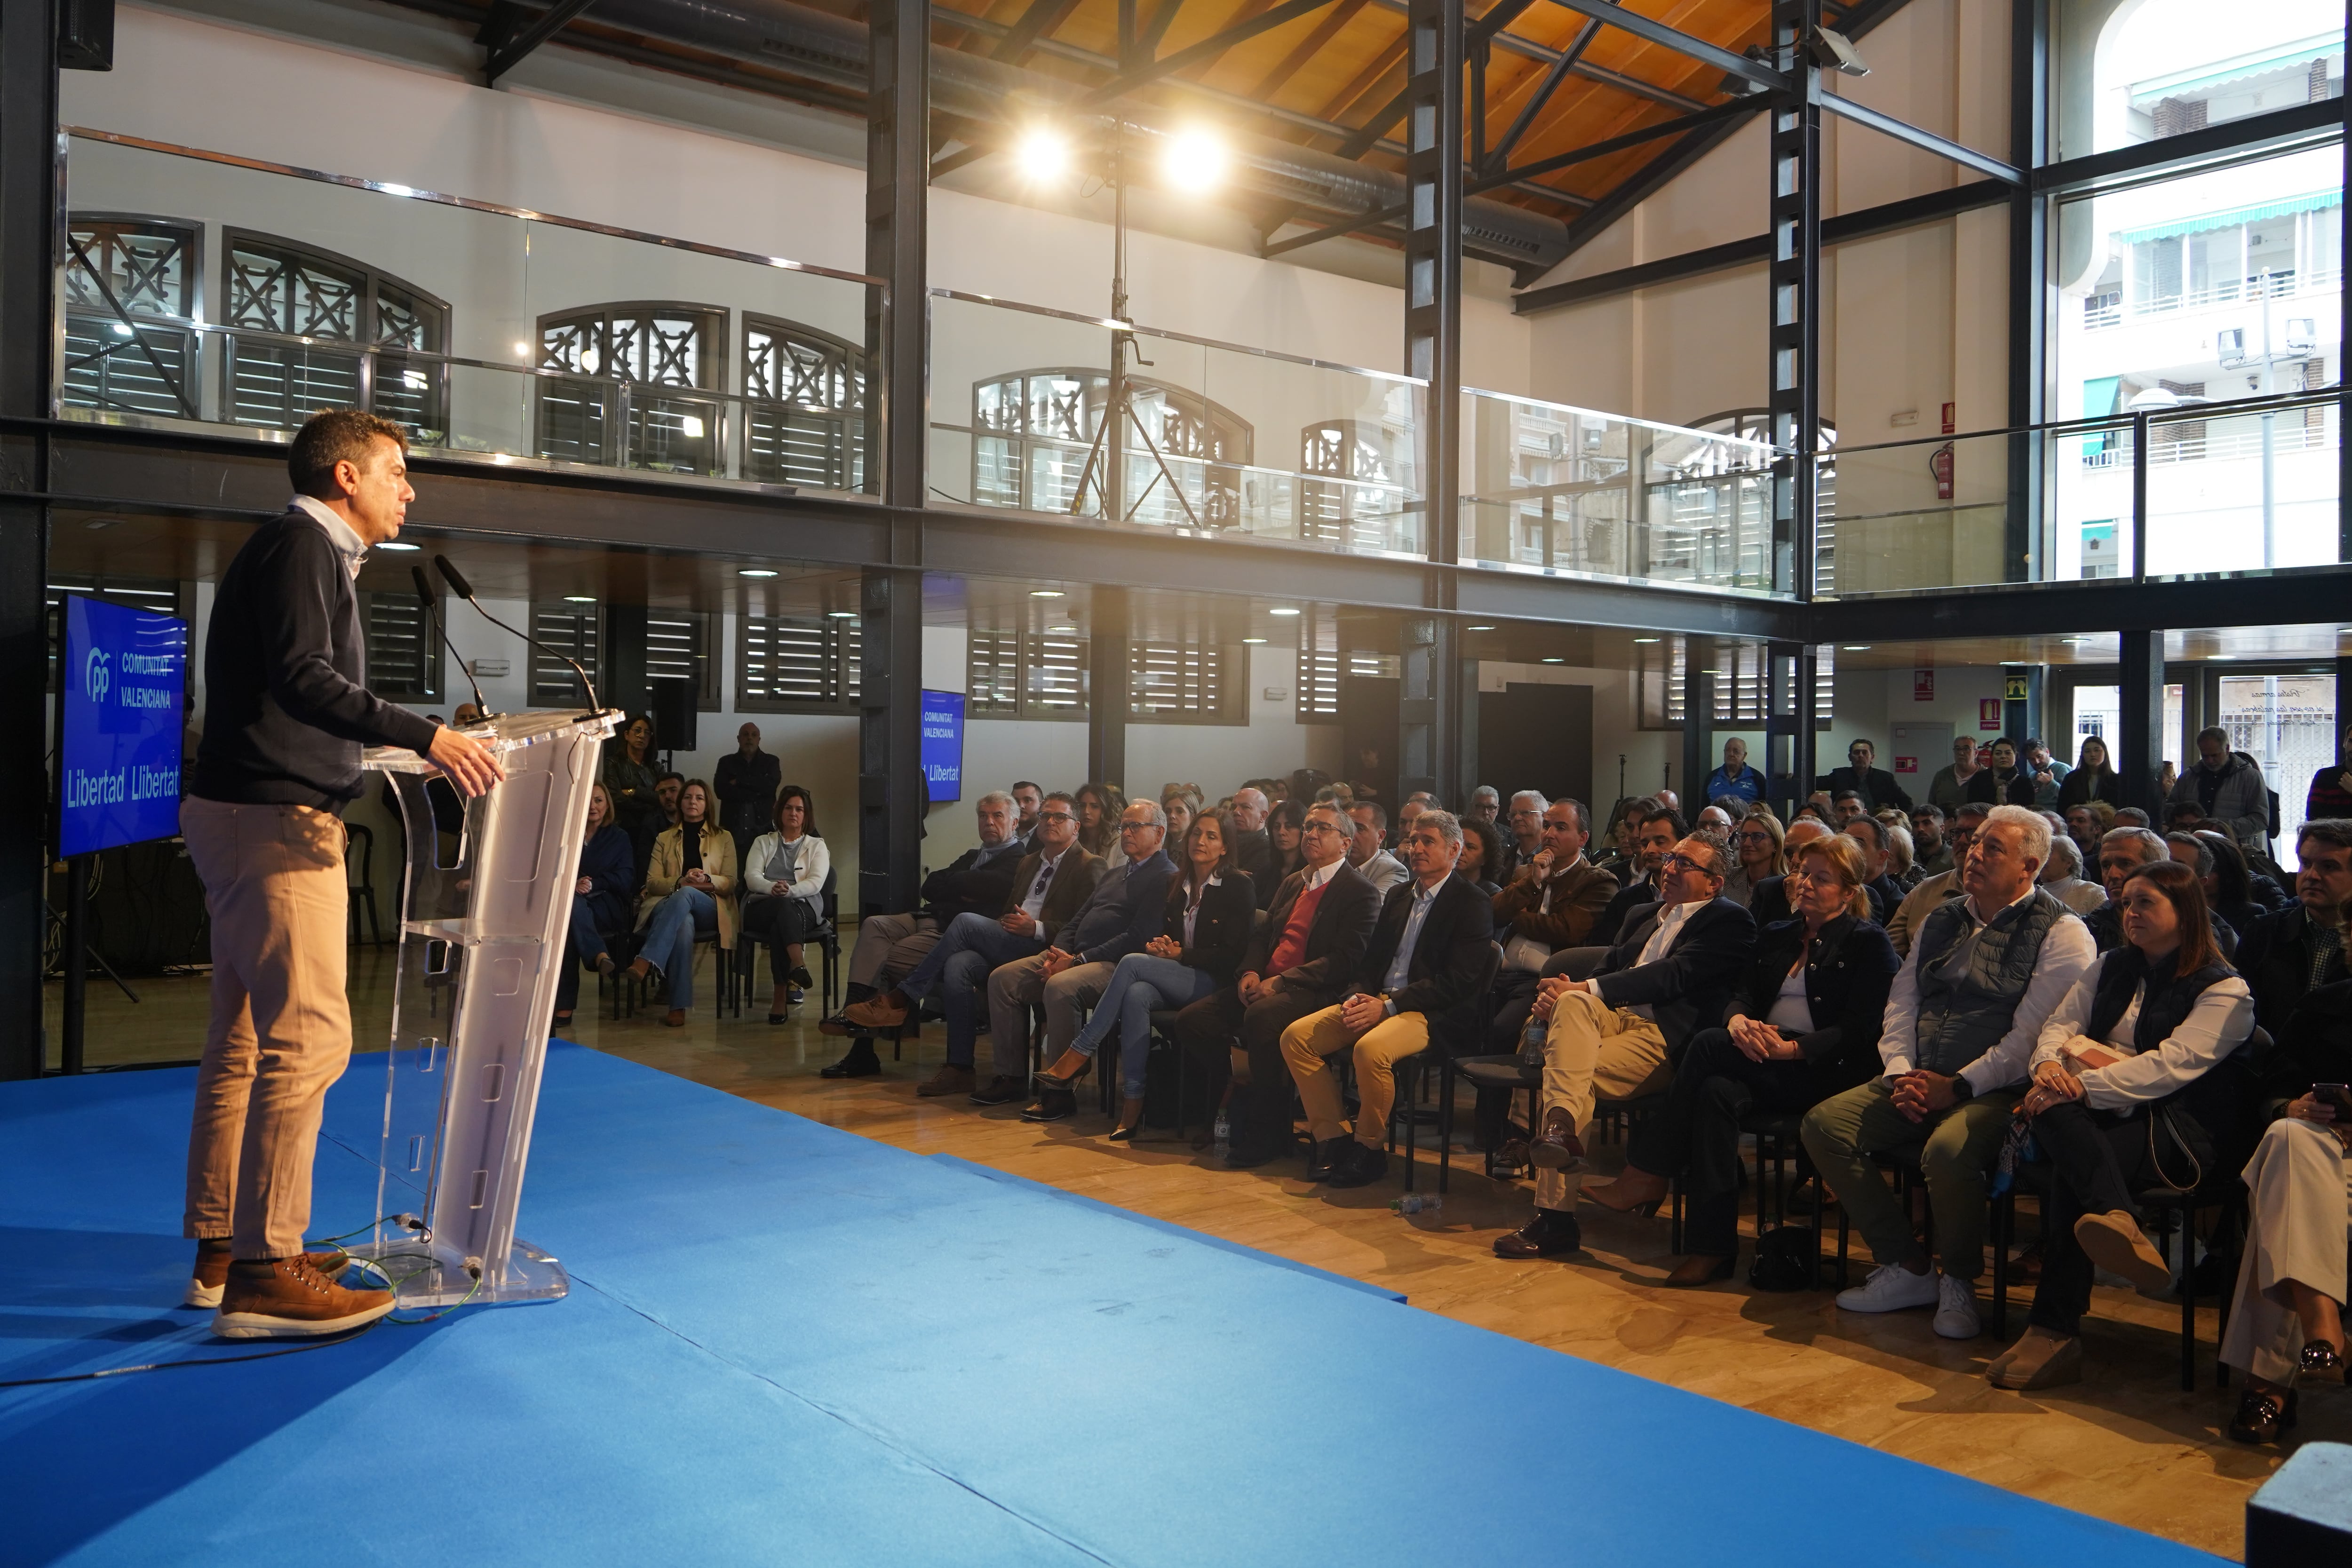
1194,161
1043,153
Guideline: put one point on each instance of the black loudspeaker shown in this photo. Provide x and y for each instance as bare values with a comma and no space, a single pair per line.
86,35
675,713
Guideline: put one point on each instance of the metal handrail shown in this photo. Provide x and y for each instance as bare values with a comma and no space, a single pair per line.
1112,324
2231,409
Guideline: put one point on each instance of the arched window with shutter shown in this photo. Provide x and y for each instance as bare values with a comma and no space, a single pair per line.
311,329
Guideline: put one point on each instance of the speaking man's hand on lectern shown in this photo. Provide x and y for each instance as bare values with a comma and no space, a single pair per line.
469,764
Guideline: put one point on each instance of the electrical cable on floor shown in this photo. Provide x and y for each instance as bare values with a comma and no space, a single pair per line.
366,1265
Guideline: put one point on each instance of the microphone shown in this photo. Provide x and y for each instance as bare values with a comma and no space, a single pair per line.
458,585
424,598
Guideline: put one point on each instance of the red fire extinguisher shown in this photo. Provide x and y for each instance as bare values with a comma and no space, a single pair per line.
1940,465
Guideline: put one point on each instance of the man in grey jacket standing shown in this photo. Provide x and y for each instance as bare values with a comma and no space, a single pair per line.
288,712
2230,789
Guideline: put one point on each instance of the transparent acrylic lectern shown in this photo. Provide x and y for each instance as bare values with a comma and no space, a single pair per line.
483,921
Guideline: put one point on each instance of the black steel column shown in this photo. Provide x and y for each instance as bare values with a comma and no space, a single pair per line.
2029,210
897,171
29,229
1805,764
1698,722
1433,257
1795,276
2139,721
889,740
1429,710
1108,671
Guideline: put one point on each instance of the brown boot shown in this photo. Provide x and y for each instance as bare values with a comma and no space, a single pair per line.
2039,1360
2115,1243
675,1018
949,1079
289,1300
886,1011
211,1272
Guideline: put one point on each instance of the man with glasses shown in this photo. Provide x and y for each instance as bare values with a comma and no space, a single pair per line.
1613,1037
1660,829
1524,821
1052,881
1983,975
1553,902
1922,901
1300,962
1125,910
1876,785
892,945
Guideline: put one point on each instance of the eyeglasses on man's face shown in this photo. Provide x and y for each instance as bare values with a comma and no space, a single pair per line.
1138,828
1319,826
1055,817
1673,863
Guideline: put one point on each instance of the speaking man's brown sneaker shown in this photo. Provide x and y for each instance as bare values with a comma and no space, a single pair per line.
288,1299
213,1259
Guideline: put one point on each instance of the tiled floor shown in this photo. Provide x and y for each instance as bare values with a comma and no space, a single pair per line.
2126,1445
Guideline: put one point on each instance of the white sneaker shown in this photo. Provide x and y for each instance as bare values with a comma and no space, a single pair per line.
1890,1288
1956,1308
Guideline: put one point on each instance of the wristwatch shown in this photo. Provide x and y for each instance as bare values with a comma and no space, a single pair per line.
1962,1090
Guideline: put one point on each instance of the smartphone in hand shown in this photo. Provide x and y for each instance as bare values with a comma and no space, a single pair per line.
2337,1095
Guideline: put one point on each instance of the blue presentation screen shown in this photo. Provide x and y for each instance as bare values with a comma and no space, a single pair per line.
943,745
119,766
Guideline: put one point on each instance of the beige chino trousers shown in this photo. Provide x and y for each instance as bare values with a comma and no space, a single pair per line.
1595,1052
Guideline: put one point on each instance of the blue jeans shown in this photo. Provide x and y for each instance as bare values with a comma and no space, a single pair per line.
669,939
584,944
970,947
1140,983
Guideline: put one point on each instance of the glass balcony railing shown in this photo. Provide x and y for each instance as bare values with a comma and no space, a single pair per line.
2244,486
1559,488
1218,438
220,293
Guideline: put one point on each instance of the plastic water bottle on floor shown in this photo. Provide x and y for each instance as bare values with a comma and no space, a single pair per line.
1417,1203
1225,1131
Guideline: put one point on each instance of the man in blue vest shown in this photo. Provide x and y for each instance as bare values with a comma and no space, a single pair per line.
1968,1006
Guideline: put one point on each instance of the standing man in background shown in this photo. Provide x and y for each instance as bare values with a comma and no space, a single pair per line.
747,780
286,671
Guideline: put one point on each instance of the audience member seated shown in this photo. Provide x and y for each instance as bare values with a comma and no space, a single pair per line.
1902,863
783,895
2330,796
1205,925
1661,828
1121,916
1876,785
1426,963
1481,845
1735,778
1949,788
2004,783
2062,877
1756,855
2301,948
1886,894
1983,975
2121,852
1770,902
1845,805
1716,820
1176,805
1374,864
1523,821
1804,1026
1301,961
1930,855
1101,807
890,946
1028,800
1485,805
1052,881
2087,822
689,891
2229,788
601,899
2093,777
1960,832
2287,1316
1283,826
1253,848
1553,903
2235,892
2130,1093
1613,1037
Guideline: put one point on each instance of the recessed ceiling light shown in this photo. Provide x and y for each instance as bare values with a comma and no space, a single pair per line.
1555,661
754,572
1045,593
1855,646
1282,610
841,615
397,544
1062,628
1477,628
1253,639
1646,639
95,523
578,598
2212,656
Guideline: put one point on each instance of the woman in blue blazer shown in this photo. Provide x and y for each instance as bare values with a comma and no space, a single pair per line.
604,900
1804,1026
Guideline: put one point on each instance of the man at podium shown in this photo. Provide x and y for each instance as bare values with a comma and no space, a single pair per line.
286,669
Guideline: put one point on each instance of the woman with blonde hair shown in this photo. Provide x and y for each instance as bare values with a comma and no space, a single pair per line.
601,896
1757,853
689,892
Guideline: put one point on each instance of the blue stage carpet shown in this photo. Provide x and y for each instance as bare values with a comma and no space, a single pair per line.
787,1345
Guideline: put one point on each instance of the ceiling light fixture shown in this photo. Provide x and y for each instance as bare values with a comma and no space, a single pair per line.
1194,161
1253,641
1043,154
1555,660
578,598
1282,610
1046,593
1855,646
754,572
1646,639
397,544
1478,629
841,615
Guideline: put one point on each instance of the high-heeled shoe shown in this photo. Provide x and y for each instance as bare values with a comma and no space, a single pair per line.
2320,1359
1046,1078
2261,1417
1647,1207
1130,1121
1700,1269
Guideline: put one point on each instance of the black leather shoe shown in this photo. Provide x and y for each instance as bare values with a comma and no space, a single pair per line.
1362,1167
2319,1359
801,978
1330,1155
2261,1417
1053,1105
1001,1089
1552,1233
861,1062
